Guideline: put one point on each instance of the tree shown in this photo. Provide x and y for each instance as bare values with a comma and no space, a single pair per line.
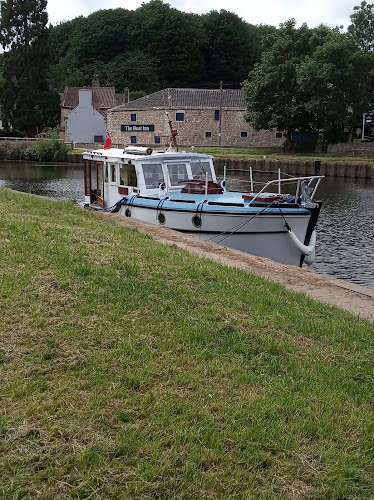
174,39
26,100
337,80
232,48
274,100
308,80
362,27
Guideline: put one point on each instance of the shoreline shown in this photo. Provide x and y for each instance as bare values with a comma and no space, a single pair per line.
356,299
329,168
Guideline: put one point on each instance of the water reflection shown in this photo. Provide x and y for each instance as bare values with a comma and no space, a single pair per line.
345,238
64,182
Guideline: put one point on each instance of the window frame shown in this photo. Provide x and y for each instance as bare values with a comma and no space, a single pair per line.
113,167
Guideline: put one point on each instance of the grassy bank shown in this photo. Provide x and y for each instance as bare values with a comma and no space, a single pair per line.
134,370
242,153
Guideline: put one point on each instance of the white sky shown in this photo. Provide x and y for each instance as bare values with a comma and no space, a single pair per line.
274,12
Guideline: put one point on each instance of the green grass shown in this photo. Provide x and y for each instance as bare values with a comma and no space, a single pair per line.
275,154
134,370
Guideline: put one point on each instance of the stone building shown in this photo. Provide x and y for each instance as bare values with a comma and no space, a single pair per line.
84,111
202,118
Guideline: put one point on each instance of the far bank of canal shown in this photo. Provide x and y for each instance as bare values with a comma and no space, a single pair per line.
345,230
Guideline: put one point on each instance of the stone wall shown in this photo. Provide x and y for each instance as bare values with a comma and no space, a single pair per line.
353,147
192,131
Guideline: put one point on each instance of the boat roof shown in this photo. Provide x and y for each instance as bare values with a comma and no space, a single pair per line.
116,153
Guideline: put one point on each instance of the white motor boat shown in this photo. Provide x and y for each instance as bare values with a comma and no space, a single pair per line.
179,190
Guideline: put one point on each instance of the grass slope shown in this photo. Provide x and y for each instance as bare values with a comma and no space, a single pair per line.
134,370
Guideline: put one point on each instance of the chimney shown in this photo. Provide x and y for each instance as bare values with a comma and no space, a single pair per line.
95,84
126,95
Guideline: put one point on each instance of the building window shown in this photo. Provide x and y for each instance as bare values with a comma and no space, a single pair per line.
243,134
98,138
208,134
278,135
133,117
216,114
157,140
133,139
179,117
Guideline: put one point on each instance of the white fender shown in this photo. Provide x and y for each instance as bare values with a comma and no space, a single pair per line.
304,249
309,259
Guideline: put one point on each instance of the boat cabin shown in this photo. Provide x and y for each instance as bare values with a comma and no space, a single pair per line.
111,174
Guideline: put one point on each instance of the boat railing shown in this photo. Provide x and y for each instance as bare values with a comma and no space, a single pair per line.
299,180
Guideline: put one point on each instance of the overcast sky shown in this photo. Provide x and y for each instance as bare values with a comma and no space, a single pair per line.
274,12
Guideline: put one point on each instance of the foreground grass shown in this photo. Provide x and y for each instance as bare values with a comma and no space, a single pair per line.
134,370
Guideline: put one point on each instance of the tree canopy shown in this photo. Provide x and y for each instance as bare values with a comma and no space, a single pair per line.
309,80
27,102
154,47
362,27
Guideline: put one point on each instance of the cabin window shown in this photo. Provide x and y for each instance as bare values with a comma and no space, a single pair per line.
105,173
133,139
113,176
216,114
243,134
199,168
153,175
208,134
179,117
157,140
127,175
133,117
177,172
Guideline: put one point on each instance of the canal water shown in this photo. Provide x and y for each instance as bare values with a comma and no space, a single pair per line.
345,236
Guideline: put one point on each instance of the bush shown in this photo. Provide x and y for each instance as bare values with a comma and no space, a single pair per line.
50,148
30,154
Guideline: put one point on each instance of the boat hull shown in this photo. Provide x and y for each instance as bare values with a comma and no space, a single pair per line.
258,234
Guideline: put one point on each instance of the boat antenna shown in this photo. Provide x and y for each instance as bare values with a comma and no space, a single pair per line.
173,131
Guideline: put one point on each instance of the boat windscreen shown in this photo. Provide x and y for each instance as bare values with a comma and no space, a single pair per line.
199,169
177,172
153,175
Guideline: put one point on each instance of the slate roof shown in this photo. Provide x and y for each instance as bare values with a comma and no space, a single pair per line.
102,97
187,98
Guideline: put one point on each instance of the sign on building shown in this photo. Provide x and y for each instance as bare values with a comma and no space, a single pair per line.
137,128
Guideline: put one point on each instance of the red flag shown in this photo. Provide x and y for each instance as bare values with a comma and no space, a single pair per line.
108,140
